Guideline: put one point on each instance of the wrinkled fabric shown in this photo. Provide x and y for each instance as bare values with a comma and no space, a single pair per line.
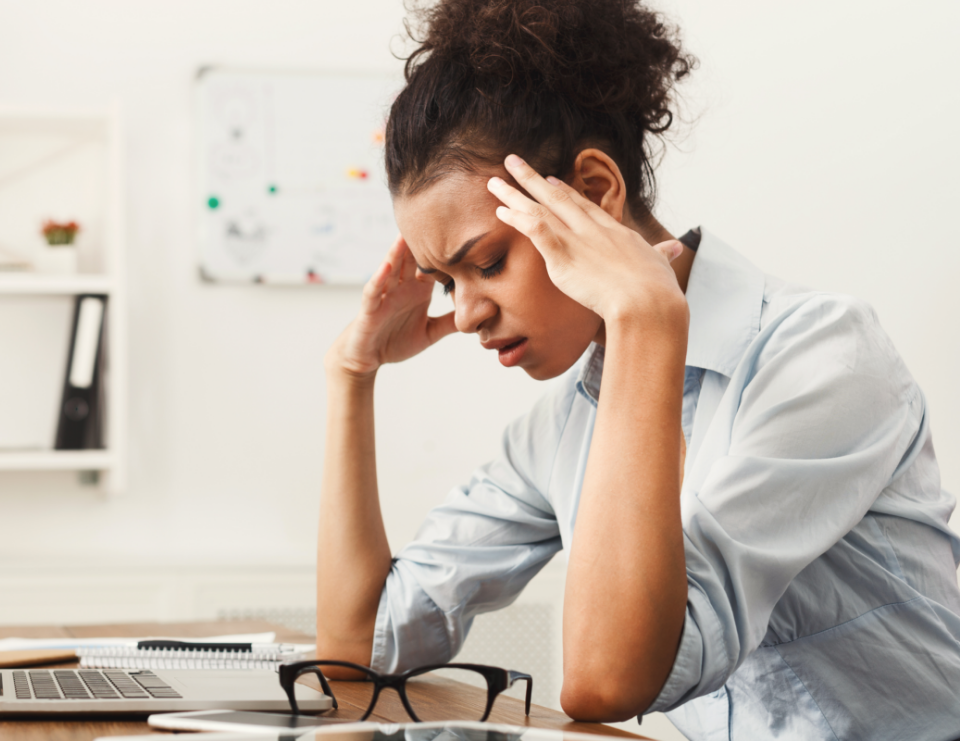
822,586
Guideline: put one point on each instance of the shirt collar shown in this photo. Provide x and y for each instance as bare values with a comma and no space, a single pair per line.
725,296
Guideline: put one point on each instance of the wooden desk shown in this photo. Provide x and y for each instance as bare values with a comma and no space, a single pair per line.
388,710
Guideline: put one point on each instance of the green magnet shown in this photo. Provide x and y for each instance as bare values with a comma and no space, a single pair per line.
271,189
213,202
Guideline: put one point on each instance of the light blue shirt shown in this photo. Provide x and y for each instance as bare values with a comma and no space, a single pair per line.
822,598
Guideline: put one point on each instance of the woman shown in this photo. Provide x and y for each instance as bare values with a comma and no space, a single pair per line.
757,535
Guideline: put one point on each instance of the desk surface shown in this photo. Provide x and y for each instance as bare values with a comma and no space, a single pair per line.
389,709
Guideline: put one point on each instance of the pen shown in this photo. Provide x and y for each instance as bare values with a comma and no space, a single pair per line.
196,646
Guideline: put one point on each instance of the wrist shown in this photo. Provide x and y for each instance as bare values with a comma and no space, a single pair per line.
343,367
667,316
344,378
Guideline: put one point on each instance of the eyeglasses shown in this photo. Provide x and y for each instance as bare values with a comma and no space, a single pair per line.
414,687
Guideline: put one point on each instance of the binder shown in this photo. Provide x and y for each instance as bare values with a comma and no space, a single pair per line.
81,409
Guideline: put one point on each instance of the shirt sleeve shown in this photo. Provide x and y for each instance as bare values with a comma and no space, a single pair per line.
819,417
475,552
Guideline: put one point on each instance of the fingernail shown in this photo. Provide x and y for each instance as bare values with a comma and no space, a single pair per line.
552,180
514,161
495,182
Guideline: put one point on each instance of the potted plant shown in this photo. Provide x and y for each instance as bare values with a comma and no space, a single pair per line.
60,256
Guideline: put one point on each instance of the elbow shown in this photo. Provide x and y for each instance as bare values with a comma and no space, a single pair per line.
603,698
355,652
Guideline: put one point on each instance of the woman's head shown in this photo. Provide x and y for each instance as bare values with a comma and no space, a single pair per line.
550,81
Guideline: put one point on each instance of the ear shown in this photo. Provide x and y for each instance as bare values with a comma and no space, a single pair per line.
598,178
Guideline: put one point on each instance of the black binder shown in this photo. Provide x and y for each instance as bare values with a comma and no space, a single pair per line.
80,423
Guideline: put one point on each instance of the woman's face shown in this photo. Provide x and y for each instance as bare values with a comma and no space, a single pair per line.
496,277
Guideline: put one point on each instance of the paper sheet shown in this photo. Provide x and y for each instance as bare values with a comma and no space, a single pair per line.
27,644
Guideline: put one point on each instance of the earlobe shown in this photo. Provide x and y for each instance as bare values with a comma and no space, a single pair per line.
598,178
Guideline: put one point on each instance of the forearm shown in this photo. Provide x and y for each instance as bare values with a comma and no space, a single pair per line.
353,557
626,585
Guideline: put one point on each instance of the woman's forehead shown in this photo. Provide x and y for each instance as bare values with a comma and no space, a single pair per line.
438,220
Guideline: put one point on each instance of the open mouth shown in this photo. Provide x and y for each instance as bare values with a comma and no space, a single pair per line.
511,354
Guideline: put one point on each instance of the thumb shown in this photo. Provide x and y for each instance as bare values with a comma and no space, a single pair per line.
671,249
439,327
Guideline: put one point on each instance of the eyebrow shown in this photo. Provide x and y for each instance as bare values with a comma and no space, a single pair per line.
458,255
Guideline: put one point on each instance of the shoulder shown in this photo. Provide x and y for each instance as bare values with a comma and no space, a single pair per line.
814,338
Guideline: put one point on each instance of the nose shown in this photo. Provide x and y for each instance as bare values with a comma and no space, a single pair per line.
471,309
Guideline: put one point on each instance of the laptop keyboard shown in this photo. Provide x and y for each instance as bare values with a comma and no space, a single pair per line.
90,684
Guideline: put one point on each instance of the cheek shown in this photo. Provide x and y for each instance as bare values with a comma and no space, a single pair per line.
529,286
532,296
540,294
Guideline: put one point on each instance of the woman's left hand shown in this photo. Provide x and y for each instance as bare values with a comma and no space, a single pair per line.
590,255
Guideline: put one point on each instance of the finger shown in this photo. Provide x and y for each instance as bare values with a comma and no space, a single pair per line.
372,295
530,218
671,249
514,199
439,327
555,199
409,269
589,207
395,257
539,231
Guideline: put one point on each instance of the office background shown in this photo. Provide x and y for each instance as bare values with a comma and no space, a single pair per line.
824,149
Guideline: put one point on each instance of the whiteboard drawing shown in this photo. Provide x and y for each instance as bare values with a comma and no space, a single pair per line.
291,182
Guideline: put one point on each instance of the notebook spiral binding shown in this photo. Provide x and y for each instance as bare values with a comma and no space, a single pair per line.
123,657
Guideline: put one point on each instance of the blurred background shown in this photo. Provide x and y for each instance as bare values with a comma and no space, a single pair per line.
820,141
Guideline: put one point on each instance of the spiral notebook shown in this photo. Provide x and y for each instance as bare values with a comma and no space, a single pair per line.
163,654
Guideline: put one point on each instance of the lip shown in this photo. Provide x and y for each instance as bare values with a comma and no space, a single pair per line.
512,354
500,344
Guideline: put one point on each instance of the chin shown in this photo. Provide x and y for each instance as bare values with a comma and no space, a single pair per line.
541,374
549,369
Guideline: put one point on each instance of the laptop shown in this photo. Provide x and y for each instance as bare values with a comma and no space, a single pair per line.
141,691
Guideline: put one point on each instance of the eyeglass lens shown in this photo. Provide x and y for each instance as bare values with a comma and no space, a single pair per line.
436,697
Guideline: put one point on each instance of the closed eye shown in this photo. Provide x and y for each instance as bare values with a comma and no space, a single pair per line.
494,269
488,272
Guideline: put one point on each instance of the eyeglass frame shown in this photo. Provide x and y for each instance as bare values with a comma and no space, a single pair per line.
498,680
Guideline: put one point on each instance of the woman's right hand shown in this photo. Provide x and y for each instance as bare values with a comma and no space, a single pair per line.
393,323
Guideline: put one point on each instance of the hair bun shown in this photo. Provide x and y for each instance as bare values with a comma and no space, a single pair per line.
538,78
600,54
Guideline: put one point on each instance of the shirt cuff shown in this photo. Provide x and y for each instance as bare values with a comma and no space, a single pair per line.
410,630
378,658
686,671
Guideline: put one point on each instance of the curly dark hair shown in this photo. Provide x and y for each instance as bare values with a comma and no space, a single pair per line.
539,78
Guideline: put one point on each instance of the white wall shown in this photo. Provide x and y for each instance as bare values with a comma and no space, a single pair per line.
825,150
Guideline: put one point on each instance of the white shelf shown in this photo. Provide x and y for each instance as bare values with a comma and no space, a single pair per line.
56,460
40,284
104,468
18,120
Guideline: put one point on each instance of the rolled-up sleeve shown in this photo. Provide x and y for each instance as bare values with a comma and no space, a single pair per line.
818,419
475,552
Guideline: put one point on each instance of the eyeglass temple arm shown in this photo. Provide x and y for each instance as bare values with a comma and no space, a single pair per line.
292,692
326,689
513,677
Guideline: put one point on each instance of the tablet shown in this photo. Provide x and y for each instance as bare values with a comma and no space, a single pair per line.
309,728
442,731
237,720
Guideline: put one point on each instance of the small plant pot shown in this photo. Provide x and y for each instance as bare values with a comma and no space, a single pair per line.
61,260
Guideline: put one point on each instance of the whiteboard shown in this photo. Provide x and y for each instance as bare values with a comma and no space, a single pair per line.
292,187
